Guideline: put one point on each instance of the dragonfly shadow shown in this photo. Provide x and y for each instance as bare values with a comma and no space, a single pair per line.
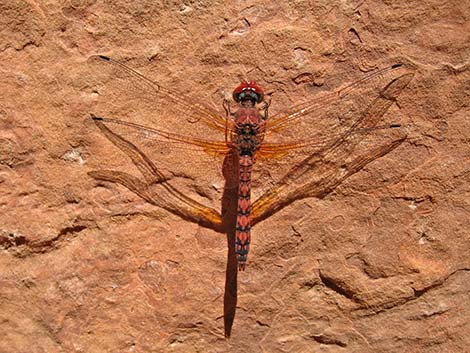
155,189
315,176
229,220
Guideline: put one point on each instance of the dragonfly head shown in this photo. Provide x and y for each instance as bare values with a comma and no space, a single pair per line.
248,91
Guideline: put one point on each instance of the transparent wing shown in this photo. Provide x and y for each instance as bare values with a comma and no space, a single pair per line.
184,138
336,109
350,133
327,138
170,139
153,185
124,92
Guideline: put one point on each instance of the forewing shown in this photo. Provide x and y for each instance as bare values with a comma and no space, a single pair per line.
330,114
125,92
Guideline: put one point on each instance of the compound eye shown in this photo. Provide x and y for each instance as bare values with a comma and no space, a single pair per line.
236,96
260,97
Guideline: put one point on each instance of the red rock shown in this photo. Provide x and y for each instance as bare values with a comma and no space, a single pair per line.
380,264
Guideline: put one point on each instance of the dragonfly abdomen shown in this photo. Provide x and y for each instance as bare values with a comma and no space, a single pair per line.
242,232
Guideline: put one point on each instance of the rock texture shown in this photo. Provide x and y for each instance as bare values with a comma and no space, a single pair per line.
381,264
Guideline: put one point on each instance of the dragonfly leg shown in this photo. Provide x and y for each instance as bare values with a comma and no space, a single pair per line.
264,108
228,108
229,116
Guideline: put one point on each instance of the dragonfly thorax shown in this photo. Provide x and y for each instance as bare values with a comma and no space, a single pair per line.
247,140
247,129
247,135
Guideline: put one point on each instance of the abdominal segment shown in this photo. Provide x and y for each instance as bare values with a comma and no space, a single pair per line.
242,233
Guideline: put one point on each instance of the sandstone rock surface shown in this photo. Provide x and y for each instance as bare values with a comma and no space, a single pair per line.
380,264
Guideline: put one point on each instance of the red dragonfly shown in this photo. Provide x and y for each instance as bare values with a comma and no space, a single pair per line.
188,139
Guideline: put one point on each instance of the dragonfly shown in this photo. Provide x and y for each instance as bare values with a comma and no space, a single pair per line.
181,144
